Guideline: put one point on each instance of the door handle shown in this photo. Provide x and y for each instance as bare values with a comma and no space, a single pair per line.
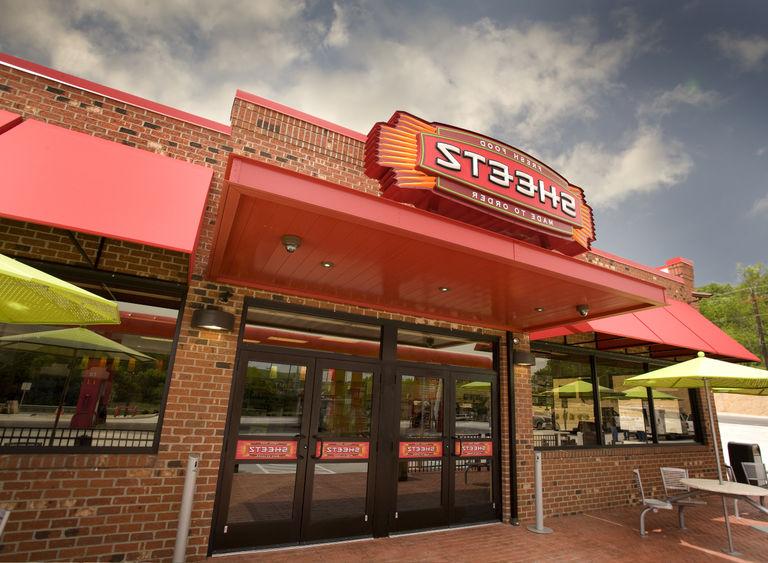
319,441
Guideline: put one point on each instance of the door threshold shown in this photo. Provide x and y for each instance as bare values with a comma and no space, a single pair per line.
444,529
288,547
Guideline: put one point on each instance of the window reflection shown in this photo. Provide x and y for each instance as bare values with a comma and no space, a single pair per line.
473,408
421,406
345,403
624,409
563,404
273,399
74,386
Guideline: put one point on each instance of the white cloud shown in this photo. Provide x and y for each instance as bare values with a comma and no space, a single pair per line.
338,35
760,207
689,94
643,163
521,81
748,52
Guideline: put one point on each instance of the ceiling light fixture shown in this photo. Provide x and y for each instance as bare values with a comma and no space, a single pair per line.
539,309
444,289
327,264
291,243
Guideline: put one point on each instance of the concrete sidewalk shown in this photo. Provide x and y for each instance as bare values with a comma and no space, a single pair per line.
599,536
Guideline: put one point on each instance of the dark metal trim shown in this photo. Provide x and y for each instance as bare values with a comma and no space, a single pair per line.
114,279
102,244
514,513
233,393
568,349
80,248
596,405
169,373
282,306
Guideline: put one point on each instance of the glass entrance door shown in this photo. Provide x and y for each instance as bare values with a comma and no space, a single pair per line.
474,480
299,458
447,452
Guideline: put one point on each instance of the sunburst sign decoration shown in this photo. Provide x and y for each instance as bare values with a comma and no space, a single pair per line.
478,180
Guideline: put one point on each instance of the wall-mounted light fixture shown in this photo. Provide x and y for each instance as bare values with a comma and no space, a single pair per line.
523,358
213,319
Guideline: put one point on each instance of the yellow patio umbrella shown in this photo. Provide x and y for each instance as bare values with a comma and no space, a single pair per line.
707,373
29,296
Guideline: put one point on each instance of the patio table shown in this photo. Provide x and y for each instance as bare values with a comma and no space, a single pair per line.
728,489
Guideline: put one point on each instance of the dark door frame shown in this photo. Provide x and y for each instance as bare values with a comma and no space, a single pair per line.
388,367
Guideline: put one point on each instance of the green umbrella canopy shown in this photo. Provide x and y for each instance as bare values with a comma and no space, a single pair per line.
707,373
640,392
82,340
578,388
29,296
692,374
477,385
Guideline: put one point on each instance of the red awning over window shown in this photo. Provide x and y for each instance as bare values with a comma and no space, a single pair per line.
71,180
674,330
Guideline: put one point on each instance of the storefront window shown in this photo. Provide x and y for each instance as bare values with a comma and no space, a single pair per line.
673,414
624,409
563,403
100,386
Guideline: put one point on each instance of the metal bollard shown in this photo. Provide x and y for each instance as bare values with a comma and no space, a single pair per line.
539,528
185,513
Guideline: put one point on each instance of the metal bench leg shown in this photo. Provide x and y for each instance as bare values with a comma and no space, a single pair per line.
736,508
681,516
642,520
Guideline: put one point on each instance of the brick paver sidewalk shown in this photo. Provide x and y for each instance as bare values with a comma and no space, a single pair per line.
599,536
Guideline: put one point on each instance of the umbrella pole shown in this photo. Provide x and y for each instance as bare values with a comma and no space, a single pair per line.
712,430
72,366
730,550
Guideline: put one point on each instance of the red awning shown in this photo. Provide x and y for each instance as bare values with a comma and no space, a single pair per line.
401,259
71,180
8,120
675,330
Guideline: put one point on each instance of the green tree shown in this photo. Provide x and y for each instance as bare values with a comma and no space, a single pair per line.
738,309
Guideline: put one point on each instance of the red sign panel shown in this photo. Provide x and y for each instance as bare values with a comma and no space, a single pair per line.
342,450
263,450
478,180
417,450
464,448
498,177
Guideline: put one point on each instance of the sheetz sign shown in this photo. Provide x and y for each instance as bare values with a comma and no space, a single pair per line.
478,180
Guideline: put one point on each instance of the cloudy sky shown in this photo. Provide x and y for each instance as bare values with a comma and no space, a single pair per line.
658,109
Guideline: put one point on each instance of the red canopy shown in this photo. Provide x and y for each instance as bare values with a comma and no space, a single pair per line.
405,260
674,330
71,180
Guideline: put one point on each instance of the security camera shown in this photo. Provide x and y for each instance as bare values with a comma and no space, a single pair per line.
583,310
291,243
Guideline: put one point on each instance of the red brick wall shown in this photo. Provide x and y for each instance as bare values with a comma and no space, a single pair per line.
121,507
